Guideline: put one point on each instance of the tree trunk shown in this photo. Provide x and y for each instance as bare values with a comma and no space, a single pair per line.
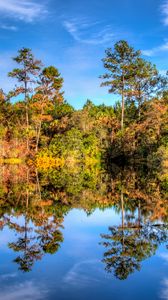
27,115
122,206
38,137
123,104
139,103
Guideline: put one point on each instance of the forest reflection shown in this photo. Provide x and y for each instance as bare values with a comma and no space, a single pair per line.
42,199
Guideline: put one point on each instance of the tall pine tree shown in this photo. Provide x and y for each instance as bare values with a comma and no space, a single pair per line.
25,75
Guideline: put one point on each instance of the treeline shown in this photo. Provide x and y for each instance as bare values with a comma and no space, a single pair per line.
37,122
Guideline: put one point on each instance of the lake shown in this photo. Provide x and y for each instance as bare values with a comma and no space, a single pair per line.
83,234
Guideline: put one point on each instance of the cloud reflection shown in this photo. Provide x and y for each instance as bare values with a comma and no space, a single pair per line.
164,292
27,290
83,273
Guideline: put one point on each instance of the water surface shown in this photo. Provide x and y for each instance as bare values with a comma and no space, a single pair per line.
72,236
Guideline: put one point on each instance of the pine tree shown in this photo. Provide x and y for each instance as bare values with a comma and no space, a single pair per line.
119,64
146,82
25,75
48,95
51,83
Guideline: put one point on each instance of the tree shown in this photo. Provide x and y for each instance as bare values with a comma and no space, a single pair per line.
41,108
30,67
50,84
48,95
146,82
119,64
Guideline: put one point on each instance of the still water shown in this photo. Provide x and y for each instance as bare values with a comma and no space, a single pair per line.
96,237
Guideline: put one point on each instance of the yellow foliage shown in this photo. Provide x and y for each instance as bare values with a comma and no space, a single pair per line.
72,161
48,162
11,161
91,161
165,163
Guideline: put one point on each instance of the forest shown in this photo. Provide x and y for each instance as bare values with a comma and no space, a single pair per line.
55,158
39,127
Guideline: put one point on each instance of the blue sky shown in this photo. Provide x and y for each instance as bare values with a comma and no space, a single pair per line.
73,35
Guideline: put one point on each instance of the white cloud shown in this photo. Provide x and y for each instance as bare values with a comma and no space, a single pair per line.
164,292
164,255
8,276
164,8
26,10
9,27
27,291
156,50
88,33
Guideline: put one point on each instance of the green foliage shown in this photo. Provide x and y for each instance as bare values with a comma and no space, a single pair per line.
75,146
132,77
120,64
50,84
44,126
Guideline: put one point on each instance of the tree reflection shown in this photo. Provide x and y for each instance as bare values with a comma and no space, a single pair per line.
38,231
127,246
141,204
49,236
30,253
34,242
42,200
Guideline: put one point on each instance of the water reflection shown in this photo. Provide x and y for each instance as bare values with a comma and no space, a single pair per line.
126,247
34,204
33,242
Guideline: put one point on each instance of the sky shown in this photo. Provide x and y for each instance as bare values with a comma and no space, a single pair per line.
73,35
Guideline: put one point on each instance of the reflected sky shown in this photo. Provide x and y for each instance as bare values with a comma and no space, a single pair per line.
76,271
